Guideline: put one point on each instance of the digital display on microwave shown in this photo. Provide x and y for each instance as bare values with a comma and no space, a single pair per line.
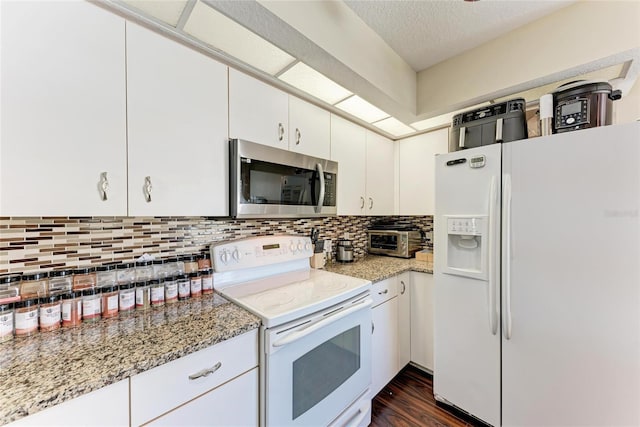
272,246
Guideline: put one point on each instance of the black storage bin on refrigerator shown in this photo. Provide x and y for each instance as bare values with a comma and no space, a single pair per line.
502,122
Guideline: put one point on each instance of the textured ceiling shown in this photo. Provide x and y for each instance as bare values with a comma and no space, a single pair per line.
426,32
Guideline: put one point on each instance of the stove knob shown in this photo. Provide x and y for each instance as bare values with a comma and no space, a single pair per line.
292,247
224,256
307,246
300,247
236,255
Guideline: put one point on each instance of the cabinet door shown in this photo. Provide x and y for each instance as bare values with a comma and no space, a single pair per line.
422,319
107,406
416,172
348,148
380,175
404,320
384,344
257,112
309,129
232,404
177,111
63,109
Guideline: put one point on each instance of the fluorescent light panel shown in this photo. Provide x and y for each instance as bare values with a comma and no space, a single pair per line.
212,27
309,80
394,127
360,108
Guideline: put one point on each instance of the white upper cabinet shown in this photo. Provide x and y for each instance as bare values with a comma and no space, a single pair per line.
257,112
349,149
63,138
380,175
416,172
177,128
309,129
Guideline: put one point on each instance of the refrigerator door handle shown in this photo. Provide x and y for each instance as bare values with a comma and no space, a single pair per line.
506,256
493,312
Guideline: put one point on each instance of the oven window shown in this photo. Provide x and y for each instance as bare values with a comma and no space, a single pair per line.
322,370
384,241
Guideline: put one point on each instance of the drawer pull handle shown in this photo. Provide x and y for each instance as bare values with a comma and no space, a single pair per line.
205,372
386,291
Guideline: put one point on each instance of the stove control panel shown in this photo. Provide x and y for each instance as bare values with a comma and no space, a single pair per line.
259,251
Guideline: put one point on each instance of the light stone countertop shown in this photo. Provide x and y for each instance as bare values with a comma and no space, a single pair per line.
376,268
49,368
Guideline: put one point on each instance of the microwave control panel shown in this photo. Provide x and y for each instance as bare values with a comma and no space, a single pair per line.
572,113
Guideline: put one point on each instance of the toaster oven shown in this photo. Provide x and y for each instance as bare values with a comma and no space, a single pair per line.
402,244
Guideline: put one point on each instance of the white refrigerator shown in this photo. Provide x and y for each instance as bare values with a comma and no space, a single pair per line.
537,279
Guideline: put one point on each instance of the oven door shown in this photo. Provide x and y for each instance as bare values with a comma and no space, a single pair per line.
317,367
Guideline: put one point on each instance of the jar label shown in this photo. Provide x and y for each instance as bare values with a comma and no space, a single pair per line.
90,308
68,314
143,297
127,299
49,316
157,294
112,303
207,283
183,289
171,291
6,324
196,286
26,321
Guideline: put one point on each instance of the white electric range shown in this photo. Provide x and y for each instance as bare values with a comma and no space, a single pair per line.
315,338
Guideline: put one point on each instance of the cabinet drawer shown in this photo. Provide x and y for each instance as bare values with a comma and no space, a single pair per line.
161,389
384,290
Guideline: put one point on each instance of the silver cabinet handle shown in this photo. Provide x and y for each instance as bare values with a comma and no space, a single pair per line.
386,291
404,287
370,203
103,185
373,328
298,136
361,202
206,372
280,132
147,188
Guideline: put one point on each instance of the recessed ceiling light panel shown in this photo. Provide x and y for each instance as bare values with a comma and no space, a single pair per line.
360,108
394,127
309,80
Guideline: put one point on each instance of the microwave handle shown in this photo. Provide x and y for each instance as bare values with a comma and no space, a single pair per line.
321,195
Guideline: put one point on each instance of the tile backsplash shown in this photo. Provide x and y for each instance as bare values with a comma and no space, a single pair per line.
53,243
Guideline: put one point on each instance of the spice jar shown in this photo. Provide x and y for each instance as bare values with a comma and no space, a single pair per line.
84,278
184,287
34,285
127,298
26,317
7,324
50,313
143,295
159,270
144,270
105,275
125,273
10,288
170,290
204,261
196,284
60,281
174,266
91,308
109,297
190,263
71,309
157,292
207,281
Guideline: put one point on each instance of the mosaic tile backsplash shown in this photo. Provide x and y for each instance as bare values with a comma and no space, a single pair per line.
54,243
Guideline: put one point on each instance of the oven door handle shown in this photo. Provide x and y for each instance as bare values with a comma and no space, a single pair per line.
301,333
321,195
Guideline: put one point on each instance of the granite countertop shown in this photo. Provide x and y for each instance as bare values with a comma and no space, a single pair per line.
52,367
376,268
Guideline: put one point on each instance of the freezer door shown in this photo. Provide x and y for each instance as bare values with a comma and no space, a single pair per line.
571,331
466,275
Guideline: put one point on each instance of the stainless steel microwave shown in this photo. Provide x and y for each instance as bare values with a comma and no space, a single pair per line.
268,182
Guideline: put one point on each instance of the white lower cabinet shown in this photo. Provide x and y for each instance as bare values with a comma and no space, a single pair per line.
404,319
422,319
232,404
108,406
180,385
384,340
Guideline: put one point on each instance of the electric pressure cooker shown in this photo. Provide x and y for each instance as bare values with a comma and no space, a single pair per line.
583,104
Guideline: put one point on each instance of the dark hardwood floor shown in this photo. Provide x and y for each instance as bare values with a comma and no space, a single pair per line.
408,401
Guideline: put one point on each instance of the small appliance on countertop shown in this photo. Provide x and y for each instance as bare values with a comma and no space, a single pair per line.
344,250
583,104
396,239
504,122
